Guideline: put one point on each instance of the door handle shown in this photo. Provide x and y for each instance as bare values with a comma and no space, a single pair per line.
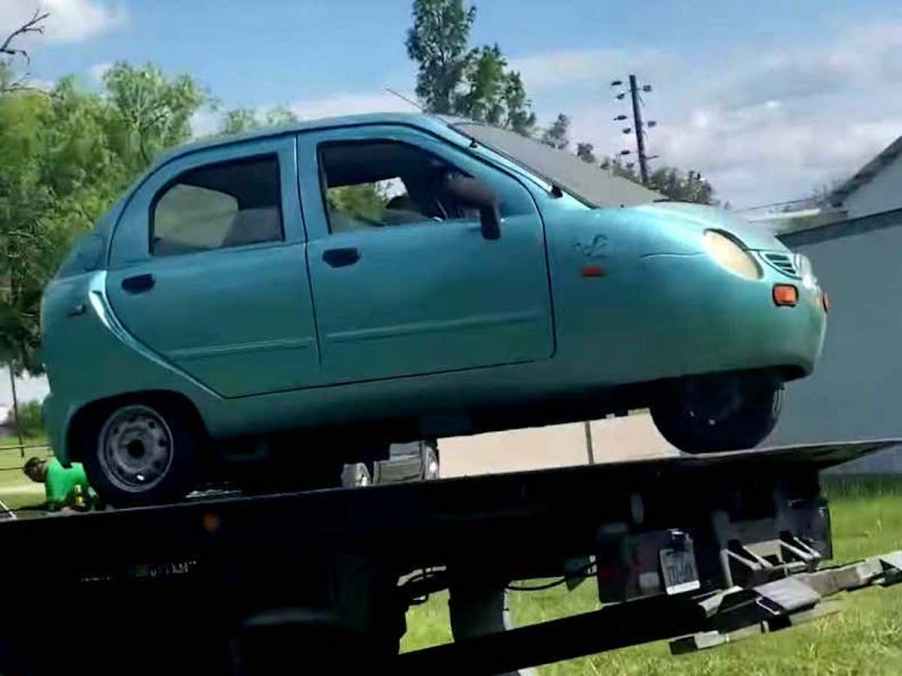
138,283
339,258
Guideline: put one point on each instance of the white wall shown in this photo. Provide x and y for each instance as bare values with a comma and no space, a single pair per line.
856,389
882,193
27,388
629,438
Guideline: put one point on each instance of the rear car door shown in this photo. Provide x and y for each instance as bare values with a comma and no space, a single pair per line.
207,269
404,283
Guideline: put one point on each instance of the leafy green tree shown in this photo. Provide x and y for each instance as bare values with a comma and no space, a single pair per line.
557,135
154,110
690,187
438,42
366,200
616,167
669,181
453,78
586,152
241,120
66,158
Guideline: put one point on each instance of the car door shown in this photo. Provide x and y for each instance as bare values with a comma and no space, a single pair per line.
207,269
403,288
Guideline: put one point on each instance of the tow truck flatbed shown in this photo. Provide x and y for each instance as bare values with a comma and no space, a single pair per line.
679,546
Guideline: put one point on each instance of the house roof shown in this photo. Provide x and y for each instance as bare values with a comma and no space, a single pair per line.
866,173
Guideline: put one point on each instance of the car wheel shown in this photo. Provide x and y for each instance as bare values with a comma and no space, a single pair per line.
719,414
143,454
357,475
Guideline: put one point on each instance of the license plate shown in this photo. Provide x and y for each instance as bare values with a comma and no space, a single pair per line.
679,571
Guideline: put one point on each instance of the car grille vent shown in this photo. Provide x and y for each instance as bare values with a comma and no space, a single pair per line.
782,262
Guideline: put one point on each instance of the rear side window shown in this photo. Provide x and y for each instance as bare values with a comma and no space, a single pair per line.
218,206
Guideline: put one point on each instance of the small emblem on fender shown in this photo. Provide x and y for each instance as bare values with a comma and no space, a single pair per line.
592,248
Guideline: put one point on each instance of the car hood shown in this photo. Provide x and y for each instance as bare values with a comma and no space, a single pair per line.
706,217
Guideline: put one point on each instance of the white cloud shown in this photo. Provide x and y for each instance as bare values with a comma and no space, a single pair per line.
205,122
350,104
567,67
69,20
98,70
764,126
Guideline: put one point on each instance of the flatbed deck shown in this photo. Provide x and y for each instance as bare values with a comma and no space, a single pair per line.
186,583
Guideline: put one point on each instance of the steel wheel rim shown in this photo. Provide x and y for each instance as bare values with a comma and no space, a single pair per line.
135,448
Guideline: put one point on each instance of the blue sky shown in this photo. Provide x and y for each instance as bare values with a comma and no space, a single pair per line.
766,99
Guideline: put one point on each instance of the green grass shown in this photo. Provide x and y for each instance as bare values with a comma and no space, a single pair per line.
865,638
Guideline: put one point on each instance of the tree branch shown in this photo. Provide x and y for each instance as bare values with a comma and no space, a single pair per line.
33,25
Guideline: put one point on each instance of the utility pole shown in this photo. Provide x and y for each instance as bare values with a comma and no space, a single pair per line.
640,130
639,125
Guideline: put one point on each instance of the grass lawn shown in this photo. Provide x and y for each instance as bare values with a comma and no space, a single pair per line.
865,638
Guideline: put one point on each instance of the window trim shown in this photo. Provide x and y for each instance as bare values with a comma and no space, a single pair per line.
175,180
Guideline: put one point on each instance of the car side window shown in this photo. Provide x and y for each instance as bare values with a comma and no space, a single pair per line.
217,206
375,184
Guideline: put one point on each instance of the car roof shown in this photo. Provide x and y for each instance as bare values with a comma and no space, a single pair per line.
429,122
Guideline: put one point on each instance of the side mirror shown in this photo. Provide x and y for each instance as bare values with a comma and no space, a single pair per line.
473,193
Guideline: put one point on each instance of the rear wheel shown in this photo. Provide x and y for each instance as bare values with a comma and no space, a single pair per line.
142,454
707,415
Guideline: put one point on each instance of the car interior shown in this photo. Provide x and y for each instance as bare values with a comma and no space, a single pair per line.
385,183
219,206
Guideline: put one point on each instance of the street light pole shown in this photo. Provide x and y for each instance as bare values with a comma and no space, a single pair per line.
638,127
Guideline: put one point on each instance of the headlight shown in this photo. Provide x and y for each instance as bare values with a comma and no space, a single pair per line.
805,270
729,254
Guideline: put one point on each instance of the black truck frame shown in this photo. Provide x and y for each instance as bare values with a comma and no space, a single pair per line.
696,549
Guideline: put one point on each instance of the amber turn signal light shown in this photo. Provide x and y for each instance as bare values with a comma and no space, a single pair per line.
785,295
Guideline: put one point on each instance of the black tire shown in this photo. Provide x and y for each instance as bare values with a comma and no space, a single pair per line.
141,453
712,415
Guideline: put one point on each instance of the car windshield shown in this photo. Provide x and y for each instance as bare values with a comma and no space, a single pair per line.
587,182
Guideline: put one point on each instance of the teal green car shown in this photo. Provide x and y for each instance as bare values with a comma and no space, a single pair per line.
335,286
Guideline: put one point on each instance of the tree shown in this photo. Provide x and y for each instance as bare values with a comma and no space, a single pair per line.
675,185
10,53
241,120
66,158
616,167
585,152
455,79
438,43
556,135
155,111
493,94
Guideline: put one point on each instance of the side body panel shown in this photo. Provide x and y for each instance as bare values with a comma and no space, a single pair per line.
430,296
239,320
